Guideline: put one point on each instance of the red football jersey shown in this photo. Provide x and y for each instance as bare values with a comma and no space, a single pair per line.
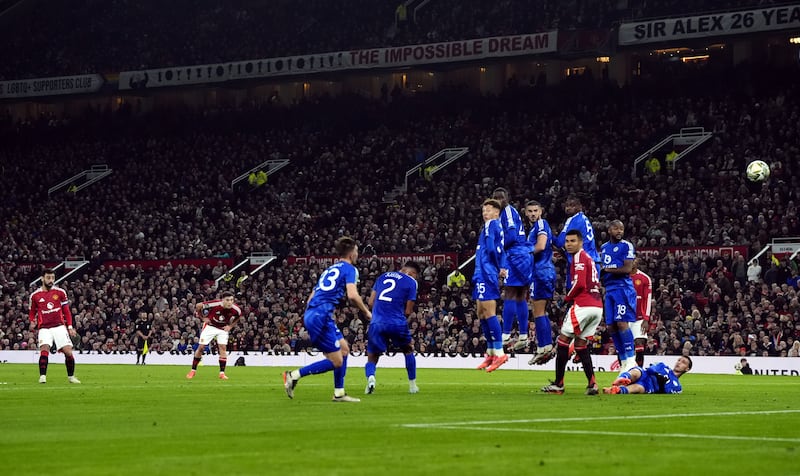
50,308
585,289
218,316
644,295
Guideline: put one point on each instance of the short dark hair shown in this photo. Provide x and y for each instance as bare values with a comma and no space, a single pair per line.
48,271
575,233
413,265
494,203
227,294
345,245
690,361
572,200
533,203
500,191
616,223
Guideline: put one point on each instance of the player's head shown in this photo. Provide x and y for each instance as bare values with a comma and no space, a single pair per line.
572,205
491,209
682,365
573,241
533,210
616,229
501,195
411,268
227,299
347,249
48,278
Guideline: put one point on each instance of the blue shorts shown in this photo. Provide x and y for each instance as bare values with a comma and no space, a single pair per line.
380,335
520,269
484,289
620,305
543,286
648,381
323,331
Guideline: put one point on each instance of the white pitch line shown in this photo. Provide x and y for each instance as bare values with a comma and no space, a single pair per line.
583,419
625,433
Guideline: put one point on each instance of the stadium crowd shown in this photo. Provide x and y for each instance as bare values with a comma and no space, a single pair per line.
170,197
148,34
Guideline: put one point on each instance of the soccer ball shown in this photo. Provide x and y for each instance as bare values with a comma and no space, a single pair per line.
757,171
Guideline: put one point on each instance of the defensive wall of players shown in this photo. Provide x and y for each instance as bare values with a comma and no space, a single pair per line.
603,363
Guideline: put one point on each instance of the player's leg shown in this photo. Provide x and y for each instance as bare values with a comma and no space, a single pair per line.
628,377
339,360
325,336
411,368
206,335
376,345
223,356
493,324
639,340
562,355
45,340
139,349
64,344
624,389
483,311
589,318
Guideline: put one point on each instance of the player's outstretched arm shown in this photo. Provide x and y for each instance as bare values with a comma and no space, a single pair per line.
355,298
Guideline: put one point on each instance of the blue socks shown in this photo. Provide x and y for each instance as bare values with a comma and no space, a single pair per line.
338,374
626,339
318,367
509,314
487,333
493,325
369,369
522,315
411,366
544,331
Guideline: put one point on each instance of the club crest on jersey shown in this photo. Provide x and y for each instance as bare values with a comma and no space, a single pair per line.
55,296
638,282
616,248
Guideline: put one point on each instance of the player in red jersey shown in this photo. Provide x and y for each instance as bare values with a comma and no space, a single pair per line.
644,302
219,316
49,311
583,316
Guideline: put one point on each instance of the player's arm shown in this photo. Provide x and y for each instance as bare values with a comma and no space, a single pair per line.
647,299
199,308
562,237
409,307
497,243
371,300
626,268
578,272
541,243
32,312
68,317
355,298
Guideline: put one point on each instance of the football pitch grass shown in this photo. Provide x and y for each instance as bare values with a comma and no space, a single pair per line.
150,420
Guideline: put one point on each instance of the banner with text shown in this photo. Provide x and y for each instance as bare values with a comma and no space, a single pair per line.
713,24
679,252
392,259
81,84
762,366
400,56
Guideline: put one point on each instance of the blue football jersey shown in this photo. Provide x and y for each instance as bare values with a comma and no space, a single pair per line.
543,260
331,286
392,291
580,222
666,380
613,255
513,231
490,254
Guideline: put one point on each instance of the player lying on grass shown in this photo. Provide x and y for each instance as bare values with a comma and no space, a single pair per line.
658,378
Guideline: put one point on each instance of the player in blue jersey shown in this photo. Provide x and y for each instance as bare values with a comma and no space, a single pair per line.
617,257
520,270
658,378
392,300
544,281
335,283
490,268
577,221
